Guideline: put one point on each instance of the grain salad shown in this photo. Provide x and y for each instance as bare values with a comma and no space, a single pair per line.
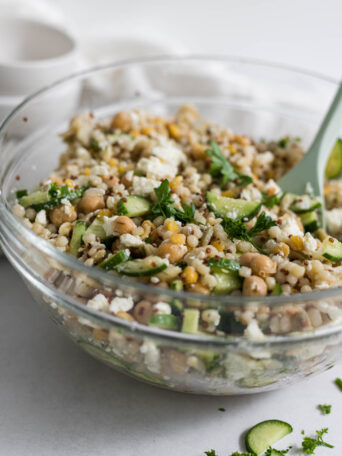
181,203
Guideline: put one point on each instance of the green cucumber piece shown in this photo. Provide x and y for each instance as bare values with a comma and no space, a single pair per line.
223,264
332,249
334,165
190,321
310,221
97,228
38,197
296,205
176,304
145,267
277,290
226,282
168,321
223,206
76,239
111,262
176,285
133,206
264,434
209,358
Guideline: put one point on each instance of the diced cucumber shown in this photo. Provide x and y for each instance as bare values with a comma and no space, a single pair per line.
168,321
176,285
310,221
223,206
334,165
133,206
304,204
76,239
332,249
38,197
97,228
223,264
226,282
229,324
190,321
111,262
277,290
177,306
210,359
145,267
264,434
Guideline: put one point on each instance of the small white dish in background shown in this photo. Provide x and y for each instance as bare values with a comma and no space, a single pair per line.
32,55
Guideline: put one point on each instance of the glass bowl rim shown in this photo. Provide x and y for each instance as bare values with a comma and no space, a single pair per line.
104,277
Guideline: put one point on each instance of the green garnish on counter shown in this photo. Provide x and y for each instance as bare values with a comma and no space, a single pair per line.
338,382
164,205
310,444
221,409
325,409
210,453
221,168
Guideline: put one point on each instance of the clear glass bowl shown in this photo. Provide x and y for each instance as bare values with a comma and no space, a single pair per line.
258,99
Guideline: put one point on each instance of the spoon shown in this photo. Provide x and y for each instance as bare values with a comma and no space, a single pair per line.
310,170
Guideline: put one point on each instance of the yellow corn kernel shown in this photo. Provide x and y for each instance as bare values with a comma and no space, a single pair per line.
189,275
87,172
219,245
100,334
177,238
146,130
158,120
242,140
69,183
228,193
134,133
104,213
232,149
282,249
172,226
124,315
121,169
176,182
174,131
198,151
112,162
297,242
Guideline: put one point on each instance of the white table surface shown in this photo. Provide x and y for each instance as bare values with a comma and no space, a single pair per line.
56,400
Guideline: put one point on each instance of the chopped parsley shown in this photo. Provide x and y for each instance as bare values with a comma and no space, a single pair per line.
21,193
270,201
221,409
245,453
325,409
236,229
221,168
273,452
224,263
164,205
210,453
283,142
338,383
310,444
94,145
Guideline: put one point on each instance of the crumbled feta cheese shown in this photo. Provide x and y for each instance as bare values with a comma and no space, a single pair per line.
271,185
108,226
130,241
253,332
334,220
143,186
244,271
161,308
123,304
151,355
169,152
99,170
310,243
250,193
155,168
41,217
99,302
289,226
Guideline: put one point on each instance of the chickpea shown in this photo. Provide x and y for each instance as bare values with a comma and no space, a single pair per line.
262,265
254,286
90,203
246,258
123,225
198,288
143,312
173,252
122,121
111,181
62,214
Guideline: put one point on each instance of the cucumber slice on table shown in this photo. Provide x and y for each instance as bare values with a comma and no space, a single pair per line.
226,282
190,321
264,434
148,266
76,239
223,206
111,262
133,206
332,249
310,221
168,321
334,165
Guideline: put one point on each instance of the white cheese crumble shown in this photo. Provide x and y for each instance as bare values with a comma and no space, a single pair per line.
161,308
253,332
334,220
98,302
168,152
129,240
123,304
250,193
41,217
151,355
289,226
143,186
155,168
108,225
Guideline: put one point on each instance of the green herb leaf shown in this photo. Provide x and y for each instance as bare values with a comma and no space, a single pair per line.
187,216
221,168
224,263
221,409
310,444
277,290
325,409
270,201
283,142
57,194
210,453
272,451
94,145
21,193
338,382
245,453
263,222
121,208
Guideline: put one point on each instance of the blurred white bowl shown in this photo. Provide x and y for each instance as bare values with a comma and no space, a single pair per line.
32,55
